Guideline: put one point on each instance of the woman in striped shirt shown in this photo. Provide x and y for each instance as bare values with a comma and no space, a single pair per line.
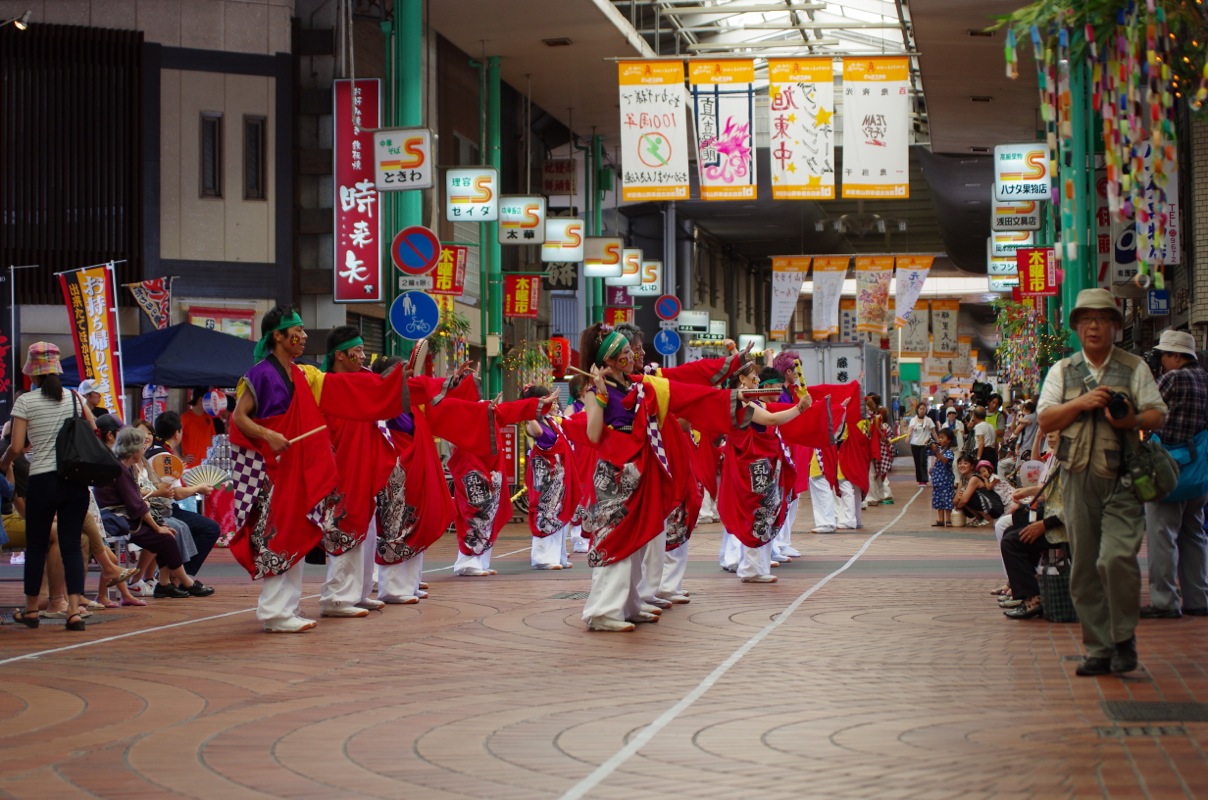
37,418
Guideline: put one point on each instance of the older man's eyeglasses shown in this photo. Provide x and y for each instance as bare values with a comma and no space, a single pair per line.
1096,319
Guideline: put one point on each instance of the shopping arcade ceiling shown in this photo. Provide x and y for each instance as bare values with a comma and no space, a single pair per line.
563,52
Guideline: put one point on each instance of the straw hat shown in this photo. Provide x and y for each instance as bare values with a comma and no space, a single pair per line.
42,359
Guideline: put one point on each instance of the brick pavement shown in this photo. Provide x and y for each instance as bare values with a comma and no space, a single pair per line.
898,678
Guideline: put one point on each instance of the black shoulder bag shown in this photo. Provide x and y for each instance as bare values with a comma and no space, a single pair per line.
82,457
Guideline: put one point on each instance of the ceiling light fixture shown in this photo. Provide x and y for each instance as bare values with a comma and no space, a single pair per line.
20,23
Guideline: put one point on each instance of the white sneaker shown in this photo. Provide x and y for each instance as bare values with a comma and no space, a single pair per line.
370,604
649,608
421,594
760,579
677,599
823,529
291,625
18,558
659,602
791,552
409,600
644,616
344,611
610,625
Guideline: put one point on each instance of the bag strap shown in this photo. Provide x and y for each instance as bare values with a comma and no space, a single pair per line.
75,399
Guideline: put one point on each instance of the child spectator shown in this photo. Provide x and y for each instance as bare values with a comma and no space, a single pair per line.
942,489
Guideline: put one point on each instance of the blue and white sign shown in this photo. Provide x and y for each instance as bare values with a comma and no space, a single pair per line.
414,315
666,342
1159,302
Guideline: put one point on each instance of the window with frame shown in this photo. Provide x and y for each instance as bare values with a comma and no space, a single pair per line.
255,162
211,155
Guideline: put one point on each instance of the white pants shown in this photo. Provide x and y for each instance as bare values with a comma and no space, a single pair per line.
708,508
730,552
848,507
280,596
755,561
822,498
878,488
782,545
550,551
614,593
397,582
466,563
675,564
651,576
350,574
578,543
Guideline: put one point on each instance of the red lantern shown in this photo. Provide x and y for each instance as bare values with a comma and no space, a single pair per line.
559,354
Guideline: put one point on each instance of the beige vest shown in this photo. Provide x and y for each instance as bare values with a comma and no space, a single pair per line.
1091,441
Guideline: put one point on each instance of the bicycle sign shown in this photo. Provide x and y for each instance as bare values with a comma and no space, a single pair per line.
414,315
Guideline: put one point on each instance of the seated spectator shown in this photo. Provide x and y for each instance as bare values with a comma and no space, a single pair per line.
122,497
168,433
1038,525
981,505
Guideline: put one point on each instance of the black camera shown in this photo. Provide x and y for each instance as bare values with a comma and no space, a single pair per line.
1117,405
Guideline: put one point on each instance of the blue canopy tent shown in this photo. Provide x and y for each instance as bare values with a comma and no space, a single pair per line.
181,355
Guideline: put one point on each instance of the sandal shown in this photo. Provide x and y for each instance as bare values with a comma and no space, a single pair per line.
22,616
937,524
1001,590
105,602
122,576
77,625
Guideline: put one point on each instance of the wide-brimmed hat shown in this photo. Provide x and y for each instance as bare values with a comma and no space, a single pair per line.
42,359
1095,300
1179,342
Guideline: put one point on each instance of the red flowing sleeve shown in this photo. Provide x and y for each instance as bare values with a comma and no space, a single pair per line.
364,395
705,371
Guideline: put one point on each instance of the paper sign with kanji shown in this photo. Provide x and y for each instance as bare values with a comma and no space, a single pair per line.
801,129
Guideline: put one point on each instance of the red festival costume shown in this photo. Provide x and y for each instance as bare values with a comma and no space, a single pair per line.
287,504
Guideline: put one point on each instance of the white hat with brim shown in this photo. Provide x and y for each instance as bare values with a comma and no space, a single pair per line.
1095,300
1179,342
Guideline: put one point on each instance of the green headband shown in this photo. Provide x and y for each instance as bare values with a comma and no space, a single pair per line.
331,354
770,381
262,346
613,343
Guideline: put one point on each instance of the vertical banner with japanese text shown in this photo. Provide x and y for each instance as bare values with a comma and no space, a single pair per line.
521,295
654,131
873,274
916,336
358,234
847,321
909,278
788,275
876,128
962,367
723,102
801,130
829,274
449,274
618,304
89,294
944,315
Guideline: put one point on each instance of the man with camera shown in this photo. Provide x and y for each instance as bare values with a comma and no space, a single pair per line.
1095,398
1175,529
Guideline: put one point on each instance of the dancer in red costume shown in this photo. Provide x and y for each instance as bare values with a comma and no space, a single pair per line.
287,495
552,484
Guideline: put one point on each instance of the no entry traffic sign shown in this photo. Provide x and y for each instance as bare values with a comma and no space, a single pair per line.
415,250
667,306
